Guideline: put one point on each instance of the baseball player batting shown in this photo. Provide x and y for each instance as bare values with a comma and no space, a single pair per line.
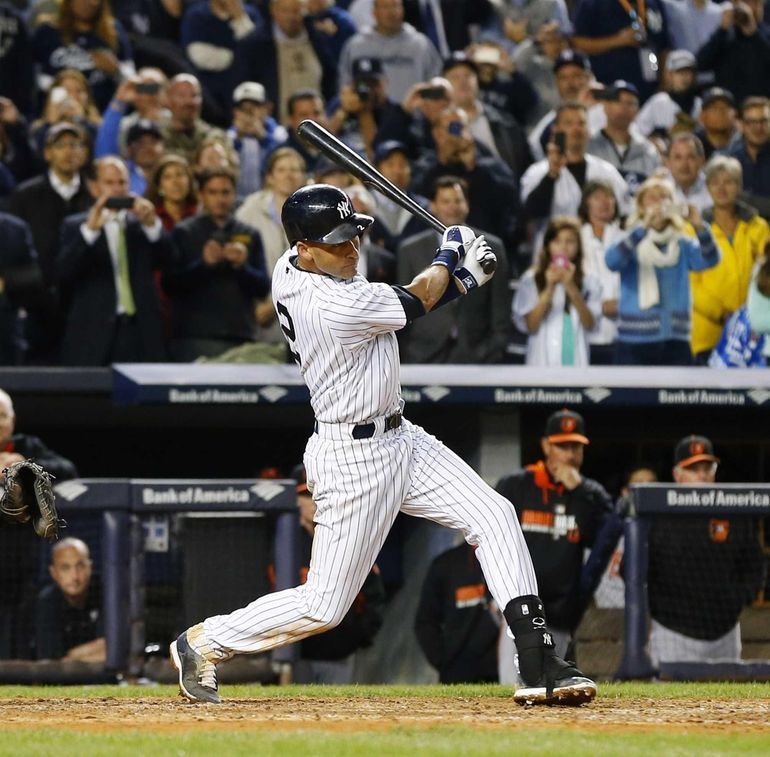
365,462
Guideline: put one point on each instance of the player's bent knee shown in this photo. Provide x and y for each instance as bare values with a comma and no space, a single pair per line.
325,618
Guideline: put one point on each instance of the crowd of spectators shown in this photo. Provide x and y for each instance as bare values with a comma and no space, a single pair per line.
616,153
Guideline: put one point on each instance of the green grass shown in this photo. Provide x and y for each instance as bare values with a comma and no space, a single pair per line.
606,690
436,742
425,740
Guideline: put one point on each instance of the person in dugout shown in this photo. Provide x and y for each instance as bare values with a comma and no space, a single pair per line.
562,513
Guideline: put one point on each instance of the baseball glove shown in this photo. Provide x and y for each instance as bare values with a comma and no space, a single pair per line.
28,495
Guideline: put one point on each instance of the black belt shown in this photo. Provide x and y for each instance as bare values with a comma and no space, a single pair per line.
366,430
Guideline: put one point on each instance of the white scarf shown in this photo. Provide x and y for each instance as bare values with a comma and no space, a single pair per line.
650,256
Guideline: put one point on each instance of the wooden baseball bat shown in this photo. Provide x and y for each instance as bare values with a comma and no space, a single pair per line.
337,151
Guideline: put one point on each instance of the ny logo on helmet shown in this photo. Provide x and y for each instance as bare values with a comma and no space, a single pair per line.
343,208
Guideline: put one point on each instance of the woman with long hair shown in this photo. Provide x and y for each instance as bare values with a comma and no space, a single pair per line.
741,235
285,173
557,303
87,37
171,189
600,228
654,260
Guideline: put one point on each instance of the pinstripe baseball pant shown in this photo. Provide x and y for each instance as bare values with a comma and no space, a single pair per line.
359,487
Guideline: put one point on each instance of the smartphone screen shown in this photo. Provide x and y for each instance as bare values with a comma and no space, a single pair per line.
119,203
147,88
560,140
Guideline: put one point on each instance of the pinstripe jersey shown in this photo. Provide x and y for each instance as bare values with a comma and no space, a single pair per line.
341,333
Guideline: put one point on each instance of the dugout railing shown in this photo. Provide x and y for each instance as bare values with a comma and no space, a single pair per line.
122,504
651,501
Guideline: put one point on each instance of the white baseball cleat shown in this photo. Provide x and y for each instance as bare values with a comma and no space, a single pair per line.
570,691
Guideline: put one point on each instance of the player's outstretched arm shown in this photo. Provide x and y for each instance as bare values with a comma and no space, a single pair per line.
456,268
429,285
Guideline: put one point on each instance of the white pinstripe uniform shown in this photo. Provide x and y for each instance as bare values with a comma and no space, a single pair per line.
342,332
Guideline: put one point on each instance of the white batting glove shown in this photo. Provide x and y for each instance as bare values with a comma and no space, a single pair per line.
477,267
462,234
454,243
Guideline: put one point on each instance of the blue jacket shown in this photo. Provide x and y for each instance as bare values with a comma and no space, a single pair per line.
108,135
670,318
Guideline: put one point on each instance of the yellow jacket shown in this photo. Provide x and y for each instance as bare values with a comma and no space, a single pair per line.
719,291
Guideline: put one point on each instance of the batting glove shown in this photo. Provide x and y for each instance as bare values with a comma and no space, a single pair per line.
462,234
477,267
448,255
454,243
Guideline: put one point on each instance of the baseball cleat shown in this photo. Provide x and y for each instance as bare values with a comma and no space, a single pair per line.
561,683
571,691
197,676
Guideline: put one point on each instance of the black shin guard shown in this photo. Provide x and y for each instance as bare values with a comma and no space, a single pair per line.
534,643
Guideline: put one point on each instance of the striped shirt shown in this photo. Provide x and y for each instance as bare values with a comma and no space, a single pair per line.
341,334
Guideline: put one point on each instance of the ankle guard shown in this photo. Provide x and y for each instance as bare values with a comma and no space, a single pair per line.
534,643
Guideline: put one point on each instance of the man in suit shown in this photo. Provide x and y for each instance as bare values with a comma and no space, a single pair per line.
105,264
471,329
43,202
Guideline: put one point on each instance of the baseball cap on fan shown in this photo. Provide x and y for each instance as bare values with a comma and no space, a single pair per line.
252,91
142,128
679,60
717,94
367,68
60,129
613,91
571,58
694,449
385,149
565,426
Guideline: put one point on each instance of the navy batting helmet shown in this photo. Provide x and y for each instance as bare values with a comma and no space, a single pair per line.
322,213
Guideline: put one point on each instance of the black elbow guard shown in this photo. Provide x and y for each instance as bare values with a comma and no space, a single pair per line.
412,305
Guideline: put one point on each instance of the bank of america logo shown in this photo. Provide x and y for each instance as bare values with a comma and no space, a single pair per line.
273,393
760,396
597,393
70,490
267,490
435,393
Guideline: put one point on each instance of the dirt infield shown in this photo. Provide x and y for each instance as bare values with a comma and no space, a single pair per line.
163,715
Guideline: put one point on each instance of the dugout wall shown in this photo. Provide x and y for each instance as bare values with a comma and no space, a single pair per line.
711,542
223,566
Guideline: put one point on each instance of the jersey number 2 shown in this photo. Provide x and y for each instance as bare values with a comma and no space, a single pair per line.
287,326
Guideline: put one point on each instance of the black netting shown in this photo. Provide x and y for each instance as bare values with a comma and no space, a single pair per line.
702,573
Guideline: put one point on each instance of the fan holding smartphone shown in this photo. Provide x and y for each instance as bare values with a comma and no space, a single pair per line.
113,197
557,303
107,260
